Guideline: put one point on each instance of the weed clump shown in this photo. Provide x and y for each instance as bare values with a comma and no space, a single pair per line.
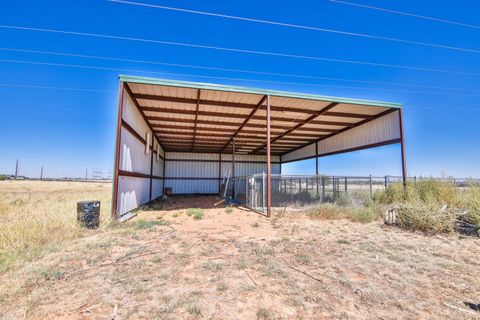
432,206
196,213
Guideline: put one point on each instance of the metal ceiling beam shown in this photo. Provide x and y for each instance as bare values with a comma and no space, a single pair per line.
233,124
219,103
196,117
242,116
254,110
313,116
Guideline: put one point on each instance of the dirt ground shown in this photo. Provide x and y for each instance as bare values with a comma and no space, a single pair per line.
165,264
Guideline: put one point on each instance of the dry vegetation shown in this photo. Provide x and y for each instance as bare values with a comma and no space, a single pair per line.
216,263
37,217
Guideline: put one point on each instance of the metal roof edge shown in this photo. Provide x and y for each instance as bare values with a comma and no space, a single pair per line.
241,89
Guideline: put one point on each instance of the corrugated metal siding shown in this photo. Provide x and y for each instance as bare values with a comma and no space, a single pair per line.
249,157
379,130
157,167
192,186
132,193
191,169
191,156
307,151
133,117
132,154
157,188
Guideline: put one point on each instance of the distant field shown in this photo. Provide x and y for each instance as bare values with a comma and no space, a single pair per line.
37,216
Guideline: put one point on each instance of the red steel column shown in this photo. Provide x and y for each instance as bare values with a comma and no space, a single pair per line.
269,182
117,150
402,146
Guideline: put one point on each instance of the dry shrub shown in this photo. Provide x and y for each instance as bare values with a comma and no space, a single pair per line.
420,202
330,211
39,215
426,218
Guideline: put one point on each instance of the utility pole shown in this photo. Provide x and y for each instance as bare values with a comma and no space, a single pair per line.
41,173
86,174
16,170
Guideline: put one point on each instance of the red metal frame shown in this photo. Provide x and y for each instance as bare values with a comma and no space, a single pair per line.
117,149
269,176
402,146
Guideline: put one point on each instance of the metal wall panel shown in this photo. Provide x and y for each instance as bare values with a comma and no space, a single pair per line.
132,154
249,157
191,156
135,191
379,130
307,151
133,117
132,193
192,186
157,188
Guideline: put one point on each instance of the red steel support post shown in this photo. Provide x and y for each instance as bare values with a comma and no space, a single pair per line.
269,177
402,146
117,150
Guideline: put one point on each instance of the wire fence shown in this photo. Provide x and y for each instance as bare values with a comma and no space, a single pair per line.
303,191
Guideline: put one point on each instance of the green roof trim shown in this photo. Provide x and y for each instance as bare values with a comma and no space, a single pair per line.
239,89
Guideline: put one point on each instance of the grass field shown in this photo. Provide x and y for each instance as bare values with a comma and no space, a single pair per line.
192,260
37,216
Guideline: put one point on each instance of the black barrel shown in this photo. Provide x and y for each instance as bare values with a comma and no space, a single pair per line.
88,213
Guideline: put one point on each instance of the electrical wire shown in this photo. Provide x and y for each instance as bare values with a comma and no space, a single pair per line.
408,14
290,25
265,53
230,78
228,69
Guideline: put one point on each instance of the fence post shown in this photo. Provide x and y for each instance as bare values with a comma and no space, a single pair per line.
346,189
371,190
264,191
386,183
323,188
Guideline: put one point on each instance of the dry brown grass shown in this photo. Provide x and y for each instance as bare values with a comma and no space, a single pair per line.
37,216
167,265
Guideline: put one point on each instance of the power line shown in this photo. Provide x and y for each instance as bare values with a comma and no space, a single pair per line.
232,78
289,25
408,14
227,69
265,53
18,85
110,91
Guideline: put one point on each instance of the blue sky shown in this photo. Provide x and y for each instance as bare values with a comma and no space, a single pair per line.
68,131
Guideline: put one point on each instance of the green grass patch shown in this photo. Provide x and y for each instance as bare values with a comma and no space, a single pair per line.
196,213
148,224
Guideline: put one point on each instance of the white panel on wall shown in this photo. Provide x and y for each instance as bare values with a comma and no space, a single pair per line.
192,186
379,130
307,151
248,157
132,116
191,169
132,193
157,188
192,156
132,154
158,167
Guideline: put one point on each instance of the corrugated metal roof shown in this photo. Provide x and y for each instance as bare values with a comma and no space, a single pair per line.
204,117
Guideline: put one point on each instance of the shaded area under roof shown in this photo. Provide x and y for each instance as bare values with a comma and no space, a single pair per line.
203,117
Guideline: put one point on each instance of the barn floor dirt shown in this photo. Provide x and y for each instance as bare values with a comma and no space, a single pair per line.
164,264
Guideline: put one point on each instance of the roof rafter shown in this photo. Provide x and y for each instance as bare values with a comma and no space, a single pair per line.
313,116
196,117
254,110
